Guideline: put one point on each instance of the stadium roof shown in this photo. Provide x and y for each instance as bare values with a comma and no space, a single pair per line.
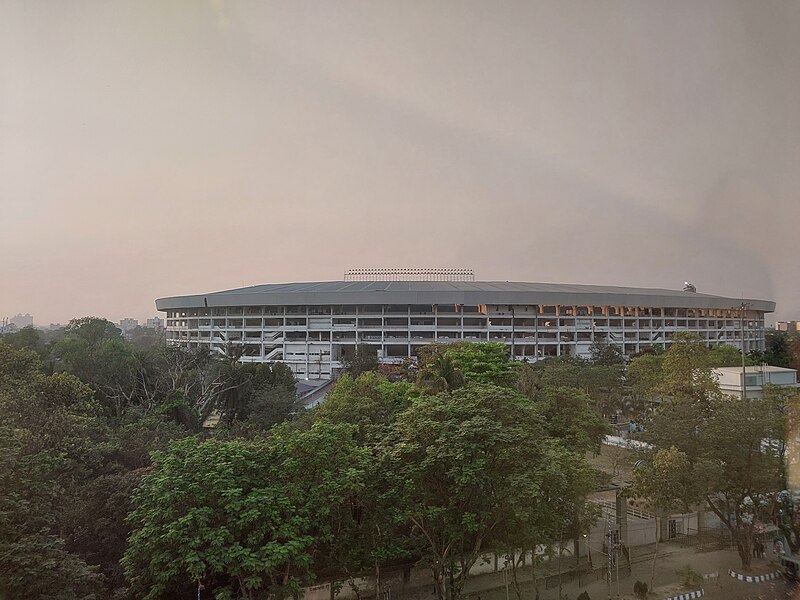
452,292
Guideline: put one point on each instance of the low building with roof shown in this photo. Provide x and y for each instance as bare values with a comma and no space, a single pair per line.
754,379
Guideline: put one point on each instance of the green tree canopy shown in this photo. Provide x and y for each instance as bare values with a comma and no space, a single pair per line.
571,417
370,403
735,469
33,561
686,368
241,518
726,355
363,359
451,467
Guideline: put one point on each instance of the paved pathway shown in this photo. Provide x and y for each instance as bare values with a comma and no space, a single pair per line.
671,557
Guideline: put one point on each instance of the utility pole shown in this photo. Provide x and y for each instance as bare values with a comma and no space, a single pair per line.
616,564
742,307
609,541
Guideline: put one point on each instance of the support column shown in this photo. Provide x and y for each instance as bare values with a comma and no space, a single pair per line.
622,517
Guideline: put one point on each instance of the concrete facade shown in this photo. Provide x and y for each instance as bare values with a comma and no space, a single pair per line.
315,327
756,378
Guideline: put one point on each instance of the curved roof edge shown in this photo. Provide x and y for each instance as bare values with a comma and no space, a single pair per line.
440,292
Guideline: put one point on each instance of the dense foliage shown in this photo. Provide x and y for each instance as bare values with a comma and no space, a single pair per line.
718,450
114,484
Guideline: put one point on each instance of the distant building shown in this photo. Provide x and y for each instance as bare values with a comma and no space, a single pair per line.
127,325
21,321
787,325
154,323
756,378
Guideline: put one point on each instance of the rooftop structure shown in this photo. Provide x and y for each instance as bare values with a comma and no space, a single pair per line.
315,327
756,378
409,275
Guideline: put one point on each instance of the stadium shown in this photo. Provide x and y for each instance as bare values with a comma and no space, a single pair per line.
315,327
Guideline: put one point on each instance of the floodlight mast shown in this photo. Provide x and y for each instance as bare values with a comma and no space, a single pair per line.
409,274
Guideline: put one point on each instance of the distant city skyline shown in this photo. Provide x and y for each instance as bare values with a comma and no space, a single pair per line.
151,149
154,321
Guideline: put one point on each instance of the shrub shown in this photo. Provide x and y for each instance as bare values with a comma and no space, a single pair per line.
689,577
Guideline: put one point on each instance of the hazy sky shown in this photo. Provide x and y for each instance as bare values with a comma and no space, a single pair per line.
167,147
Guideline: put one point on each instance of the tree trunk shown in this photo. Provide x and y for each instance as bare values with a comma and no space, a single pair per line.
655,552
560,544
377,581
514,578
453,593
438,582
533,574
744,546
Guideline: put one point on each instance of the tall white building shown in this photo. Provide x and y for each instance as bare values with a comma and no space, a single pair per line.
155,323
127,325
315,327
20,320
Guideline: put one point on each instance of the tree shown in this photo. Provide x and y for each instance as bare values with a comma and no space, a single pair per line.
369,402
686,369
27,337
92,461
364,358
33,561
241,518
602,383
778,351
571,418
604,354
451,468
726,442
440,375
483,362
726,355
665,481
258,395
644,374
739,472
53,414
557,512
93,350
368,536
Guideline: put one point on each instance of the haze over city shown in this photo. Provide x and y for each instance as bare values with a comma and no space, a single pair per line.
160,148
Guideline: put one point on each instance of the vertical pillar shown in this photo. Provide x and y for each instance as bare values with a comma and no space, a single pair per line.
558,329
408,331
622,517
